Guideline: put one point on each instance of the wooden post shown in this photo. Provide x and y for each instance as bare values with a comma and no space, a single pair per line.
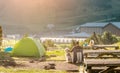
108,69
89,69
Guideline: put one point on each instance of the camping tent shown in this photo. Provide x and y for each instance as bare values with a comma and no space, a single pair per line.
8,49
28,47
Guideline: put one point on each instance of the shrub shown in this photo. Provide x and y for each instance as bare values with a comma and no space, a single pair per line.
6,59
96,38
105,38
108,38
48,43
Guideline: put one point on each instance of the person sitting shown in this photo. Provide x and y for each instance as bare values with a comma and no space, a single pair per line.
91,42
77,53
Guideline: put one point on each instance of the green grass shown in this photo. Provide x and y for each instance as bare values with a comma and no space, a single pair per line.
118,44
55,52
58,55
63,46
15,70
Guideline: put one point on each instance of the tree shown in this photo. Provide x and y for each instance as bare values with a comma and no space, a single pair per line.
108,38
95,38
105,38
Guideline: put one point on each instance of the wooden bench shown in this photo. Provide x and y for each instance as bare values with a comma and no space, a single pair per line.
100,53
111,64
96,47
105,46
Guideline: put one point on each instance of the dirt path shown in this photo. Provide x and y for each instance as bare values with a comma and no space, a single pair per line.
59,65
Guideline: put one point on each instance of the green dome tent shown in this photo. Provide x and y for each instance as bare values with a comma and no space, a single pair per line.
28,47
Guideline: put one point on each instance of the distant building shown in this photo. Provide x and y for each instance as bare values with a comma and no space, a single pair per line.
99,28
61,40
81,35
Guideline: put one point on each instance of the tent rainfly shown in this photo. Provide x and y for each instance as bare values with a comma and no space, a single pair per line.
28,47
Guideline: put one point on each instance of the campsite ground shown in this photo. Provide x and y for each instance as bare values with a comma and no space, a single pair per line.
59,65
36,65
55,57
24,64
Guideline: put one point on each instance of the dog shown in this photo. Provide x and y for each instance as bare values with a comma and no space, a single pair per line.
68,55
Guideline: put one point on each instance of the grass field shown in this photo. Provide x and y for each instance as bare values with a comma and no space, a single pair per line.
56,55
59,55
14,70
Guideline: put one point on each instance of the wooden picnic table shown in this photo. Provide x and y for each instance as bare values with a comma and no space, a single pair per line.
105,46
110,63
100,53
96,47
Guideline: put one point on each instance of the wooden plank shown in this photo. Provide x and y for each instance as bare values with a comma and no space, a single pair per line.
111,64
108,69
105,46
102,68
101,46
101,51
102,62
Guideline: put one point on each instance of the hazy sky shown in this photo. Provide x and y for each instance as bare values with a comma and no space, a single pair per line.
35,13
32,11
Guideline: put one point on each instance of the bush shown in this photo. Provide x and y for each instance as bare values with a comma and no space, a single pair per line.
48,43
96,38
6,60
108,38
105,38
118,38
73,43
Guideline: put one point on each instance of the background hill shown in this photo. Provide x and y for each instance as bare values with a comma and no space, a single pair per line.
35,16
